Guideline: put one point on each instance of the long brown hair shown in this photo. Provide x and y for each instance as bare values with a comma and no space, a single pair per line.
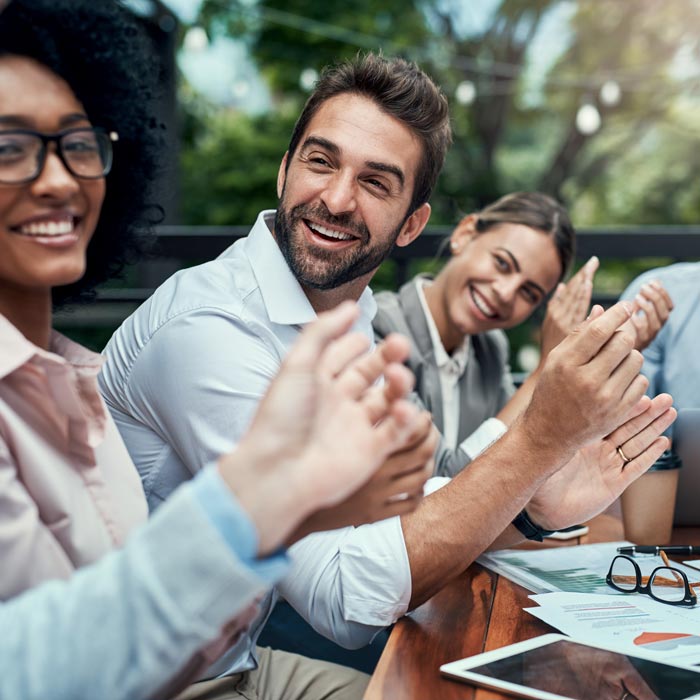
538,211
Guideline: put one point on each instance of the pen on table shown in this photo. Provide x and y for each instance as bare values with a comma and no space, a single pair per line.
655,549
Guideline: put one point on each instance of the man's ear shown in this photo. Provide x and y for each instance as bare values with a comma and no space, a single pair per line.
282,175
414,225
463,233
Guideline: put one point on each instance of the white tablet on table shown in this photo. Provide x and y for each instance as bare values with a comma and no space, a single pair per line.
556,667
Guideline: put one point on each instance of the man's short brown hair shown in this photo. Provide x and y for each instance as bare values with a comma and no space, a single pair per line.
400,89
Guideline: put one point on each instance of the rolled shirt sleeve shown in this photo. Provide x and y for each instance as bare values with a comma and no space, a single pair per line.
352,582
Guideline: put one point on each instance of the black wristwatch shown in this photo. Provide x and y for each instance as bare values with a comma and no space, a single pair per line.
529,529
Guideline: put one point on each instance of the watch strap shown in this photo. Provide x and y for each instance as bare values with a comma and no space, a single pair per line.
529,528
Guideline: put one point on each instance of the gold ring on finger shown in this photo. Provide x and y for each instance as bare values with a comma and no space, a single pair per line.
625,459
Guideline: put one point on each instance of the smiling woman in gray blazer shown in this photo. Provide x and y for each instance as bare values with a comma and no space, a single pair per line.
505,261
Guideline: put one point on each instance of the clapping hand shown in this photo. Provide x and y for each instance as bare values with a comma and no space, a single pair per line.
588,385
652,307
323,429
568,306
602,470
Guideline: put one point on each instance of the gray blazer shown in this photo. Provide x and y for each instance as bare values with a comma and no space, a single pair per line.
486,384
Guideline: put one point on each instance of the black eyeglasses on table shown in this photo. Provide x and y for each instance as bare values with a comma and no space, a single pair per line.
665,583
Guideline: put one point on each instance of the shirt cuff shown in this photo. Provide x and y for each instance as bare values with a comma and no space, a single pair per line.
485,435
235,527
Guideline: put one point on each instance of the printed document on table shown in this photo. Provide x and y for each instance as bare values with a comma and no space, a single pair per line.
576,569
629,622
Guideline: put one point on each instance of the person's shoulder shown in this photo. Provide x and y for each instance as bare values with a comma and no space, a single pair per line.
679,274
387,302
221,285
395,308
389,317
673,277
216,293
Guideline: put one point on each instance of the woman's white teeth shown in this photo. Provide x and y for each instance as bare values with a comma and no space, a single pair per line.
330,233
481,305
47,228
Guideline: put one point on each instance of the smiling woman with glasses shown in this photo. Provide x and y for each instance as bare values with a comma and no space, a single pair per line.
71,216
86,152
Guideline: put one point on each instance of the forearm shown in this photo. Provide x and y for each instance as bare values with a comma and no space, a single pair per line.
123,627
453,526
520,399
508,538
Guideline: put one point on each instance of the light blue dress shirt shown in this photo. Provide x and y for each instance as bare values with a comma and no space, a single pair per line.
672,360
183,378
123,627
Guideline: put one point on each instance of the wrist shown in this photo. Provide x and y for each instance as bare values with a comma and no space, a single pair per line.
265,493
529,528
545,449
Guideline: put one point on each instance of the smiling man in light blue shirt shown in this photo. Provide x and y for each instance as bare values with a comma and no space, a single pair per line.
184,373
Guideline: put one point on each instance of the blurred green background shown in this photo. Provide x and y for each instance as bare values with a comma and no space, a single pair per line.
593,101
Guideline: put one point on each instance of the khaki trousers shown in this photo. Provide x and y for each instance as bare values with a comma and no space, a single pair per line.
283,676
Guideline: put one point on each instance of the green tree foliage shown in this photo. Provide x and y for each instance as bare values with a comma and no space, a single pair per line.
512,135
229,164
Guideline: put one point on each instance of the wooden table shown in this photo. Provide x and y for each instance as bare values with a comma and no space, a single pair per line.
476,612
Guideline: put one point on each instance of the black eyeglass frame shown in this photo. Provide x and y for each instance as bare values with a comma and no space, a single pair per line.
46,139
689,599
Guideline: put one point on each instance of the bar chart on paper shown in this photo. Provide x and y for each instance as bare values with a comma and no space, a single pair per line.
580,569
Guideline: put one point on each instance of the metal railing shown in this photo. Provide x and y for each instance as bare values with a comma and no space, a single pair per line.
179,246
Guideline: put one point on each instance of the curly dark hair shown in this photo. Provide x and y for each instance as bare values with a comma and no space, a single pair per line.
100,50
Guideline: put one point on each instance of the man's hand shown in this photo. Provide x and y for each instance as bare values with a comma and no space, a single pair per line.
587,387
568,306
320,432
403,473
597,475
652,307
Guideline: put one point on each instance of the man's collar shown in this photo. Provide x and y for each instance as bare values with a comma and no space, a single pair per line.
282,294
284,298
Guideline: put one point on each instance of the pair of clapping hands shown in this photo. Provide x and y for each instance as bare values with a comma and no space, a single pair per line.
318,454
571,301
329,446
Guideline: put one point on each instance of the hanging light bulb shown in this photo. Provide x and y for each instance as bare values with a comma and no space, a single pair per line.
465,93
588,119
307,79
610,93
196,39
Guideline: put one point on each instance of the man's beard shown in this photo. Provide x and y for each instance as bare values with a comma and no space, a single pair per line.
318,268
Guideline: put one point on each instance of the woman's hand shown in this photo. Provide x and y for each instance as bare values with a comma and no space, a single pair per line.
568,307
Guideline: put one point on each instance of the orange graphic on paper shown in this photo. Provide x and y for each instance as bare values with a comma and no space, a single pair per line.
651,637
